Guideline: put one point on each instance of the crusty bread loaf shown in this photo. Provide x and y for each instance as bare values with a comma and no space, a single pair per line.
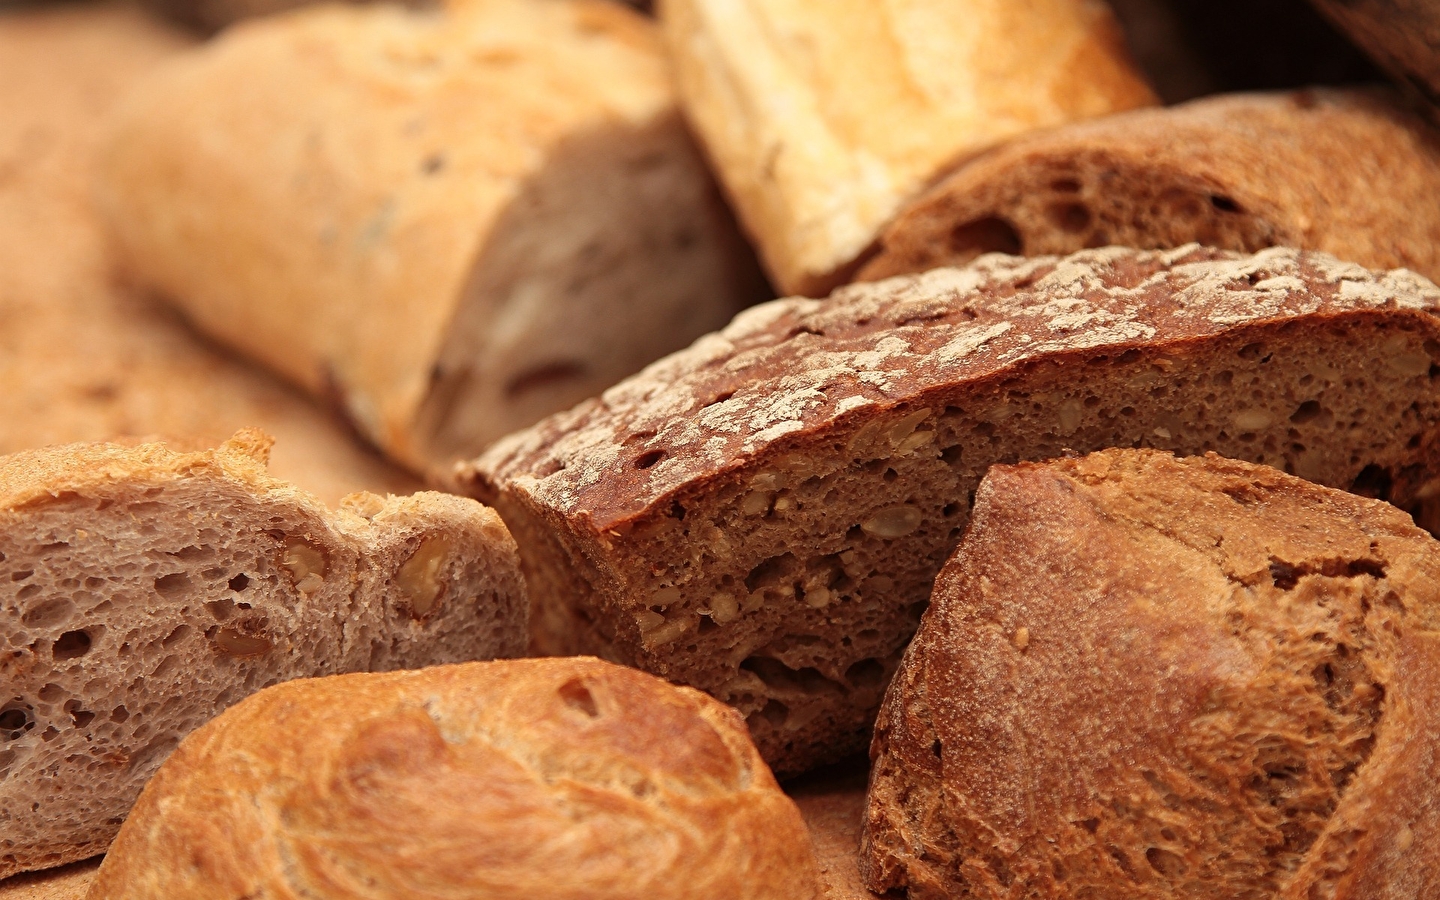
1401,35
450,222
144,590
1143,677
81,360
1331,170
763,514
535,779
822,117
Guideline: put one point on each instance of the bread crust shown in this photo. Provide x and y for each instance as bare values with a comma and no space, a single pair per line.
1329,170
144,590
559,778
1149,677
1403,36
651,519
822,117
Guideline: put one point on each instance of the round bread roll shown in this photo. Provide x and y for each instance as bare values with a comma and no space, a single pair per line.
536,779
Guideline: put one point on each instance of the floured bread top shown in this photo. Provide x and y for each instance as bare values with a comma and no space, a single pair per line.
792,366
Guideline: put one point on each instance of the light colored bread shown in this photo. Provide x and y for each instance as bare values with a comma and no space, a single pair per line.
822,117
452,223
544,779
64,883
1143,677
144,590
762,515
79,359
1331,170
1403,36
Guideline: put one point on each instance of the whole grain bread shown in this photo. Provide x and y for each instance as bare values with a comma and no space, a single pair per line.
1333,170
1150,678
823,117
143,590
449,222
544,779
762,515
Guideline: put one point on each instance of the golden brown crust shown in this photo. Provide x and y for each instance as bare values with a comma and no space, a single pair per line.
1330,170
1144,676
561,778
823,117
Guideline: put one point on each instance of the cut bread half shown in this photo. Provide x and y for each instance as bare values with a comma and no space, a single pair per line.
144,590
762,515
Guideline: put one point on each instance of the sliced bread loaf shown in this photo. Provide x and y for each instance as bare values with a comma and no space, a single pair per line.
1152,679
763,514
144,590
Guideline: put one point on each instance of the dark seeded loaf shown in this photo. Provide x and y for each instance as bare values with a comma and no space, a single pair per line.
763,514
1152,678
144,590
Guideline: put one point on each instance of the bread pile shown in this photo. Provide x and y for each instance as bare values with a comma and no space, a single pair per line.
1085,480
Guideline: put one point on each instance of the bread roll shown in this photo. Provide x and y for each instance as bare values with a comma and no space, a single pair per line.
536,779
1143,677
1331,170
762,515
452,223
823,117
143,590
83,360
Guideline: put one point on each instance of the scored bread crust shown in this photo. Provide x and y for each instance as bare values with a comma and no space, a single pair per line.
1148,677
143,590
448,222
762,515
557,778
823,117
1331,170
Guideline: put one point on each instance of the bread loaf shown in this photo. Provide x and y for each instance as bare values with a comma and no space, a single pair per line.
1331,170
1403,36
544,779
762,515
450,222
63,883
144,590
1143,677
83,360
823,117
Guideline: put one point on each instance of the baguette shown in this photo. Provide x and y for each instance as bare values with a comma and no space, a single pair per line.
762,515
143,590
1143,677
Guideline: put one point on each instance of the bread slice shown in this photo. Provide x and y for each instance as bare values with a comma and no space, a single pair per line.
144,590
1331,170
763,514
823,117
64,883
554,778
1150,677
449,223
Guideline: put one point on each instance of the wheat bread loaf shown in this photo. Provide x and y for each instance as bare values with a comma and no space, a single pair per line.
1343,171
1150,677
545,779
762,515
822,118
449,222
143,590
82,359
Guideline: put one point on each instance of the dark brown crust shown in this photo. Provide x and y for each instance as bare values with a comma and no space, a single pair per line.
1121,643
1330,170
1403,36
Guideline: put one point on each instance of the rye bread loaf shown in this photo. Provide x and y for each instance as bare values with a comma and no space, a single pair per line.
1160,679
1341,171
449,222
762,515
544,779
83,360
822,117
144,590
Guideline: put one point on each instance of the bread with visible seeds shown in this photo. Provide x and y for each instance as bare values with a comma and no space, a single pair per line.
554,779
1145,677
1331,170
763,514
143,590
